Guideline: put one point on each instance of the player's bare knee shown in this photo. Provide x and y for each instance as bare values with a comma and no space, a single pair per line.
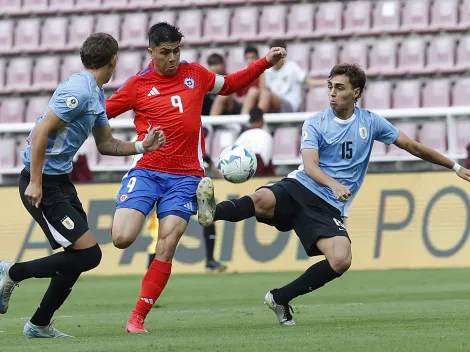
340,261
120,240
264,201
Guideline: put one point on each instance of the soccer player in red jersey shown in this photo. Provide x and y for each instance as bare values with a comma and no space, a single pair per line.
168,93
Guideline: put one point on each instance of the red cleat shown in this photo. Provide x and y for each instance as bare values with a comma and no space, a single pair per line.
135,325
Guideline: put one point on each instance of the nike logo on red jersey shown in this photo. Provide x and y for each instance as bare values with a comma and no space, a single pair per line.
153,91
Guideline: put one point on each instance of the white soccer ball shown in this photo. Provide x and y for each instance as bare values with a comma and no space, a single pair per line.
237,164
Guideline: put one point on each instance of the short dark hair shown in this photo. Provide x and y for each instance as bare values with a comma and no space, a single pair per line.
98,50
256,115
215,59
163,32
354,72
278,43
251,49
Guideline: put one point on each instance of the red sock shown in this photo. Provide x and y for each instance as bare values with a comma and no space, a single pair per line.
152,286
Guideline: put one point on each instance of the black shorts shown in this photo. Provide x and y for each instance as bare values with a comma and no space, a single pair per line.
60,214
298,209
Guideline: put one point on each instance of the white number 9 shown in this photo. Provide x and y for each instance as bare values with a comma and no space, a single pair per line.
131,184
177,103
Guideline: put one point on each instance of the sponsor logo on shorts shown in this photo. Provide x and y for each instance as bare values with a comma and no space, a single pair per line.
68,223
123,197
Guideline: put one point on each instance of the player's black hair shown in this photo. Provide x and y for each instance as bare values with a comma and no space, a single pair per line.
215,59
354,72
256,115
278,43
163,32
98,50
251,49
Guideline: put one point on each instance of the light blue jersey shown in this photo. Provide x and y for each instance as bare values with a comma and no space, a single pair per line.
344,148
79,102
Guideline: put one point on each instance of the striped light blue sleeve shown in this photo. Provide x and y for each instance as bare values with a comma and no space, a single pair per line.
70,100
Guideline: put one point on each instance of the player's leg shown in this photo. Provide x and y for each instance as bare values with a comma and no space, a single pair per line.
221,104
260,204
136,198
268,101
209,240
251,100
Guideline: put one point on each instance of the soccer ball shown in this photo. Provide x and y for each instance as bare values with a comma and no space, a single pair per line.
237,164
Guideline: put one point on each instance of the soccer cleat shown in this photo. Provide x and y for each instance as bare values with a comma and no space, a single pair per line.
7,285
31,331
283,313
205,202
215,266
135,325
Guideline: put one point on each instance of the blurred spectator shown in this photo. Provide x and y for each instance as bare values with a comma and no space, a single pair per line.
258,141
284,83
249,95
81,172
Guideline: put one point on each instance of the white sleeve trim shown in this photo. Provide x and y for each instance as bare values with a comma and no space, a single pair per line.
218,84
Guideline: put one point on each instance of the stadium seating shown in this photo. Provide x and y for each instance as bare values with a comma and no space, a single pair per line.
221,139
433,134
461,92
135,35
415,16
79,29
7,153
324,55
444,15
12,110
378,95
54,34
328,19
18,75
46,73
286,144
244,24
35,6
359,20
441,55
463,54
36,108
411,56
436,93
216,26
407,94
462,129
383,58
386,17
272,22
408,128
6,36
70,65
26,35
354,51
317,99
300,22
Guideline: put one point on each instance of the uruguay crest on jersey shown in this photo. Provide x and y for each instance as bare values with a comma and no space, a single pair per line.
363,132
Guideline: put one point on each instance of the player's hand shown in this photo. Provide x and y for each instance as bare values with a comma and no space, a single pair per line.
34,194
154,140
341,192
464,174
275,54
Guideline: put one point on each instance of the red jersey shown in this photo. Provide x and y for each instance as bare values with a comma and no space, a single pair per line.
175,103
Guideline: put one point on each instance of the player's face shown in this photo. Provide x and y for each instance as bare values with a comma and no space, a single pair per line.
250,58
218,69
166,58
341,93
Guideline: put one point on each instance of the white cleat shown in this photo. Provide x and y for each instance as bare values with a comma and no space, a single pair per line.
31,331
205,202
7,285
283,313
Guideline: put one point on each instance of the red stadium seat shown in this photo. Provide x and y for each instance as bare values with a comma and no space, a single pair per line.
12,110
19,74
27,35
441,55
411,56
434,135
71,64
328,19
202,2
415,16
444,15
142,4
36,108
34,6
354,52
7,153
383,58
129,65
6,36
171,3
300,53
286,144
323,57
461,92
300,21
115,5
21,144
244,24
436,93
464,12
272,22
10,7
358,18
46,73
462,129
134,30
54,33
61,5
190,22
407,95
216,25
109,24
378,95
235,60
386,17
408,128
2,74
317,99
163,16
463,54
87,5
221,139
80,28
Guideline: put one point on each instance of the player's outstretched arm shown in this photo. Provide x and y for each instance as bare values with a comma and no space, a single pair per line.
310,158
428,154
108,145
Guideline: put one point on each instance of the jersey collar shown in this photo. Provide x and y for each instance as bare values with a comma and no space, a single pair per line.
341,121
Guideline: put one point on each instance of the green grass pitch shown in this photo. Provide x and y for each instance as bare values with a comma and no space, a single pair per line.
398,310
